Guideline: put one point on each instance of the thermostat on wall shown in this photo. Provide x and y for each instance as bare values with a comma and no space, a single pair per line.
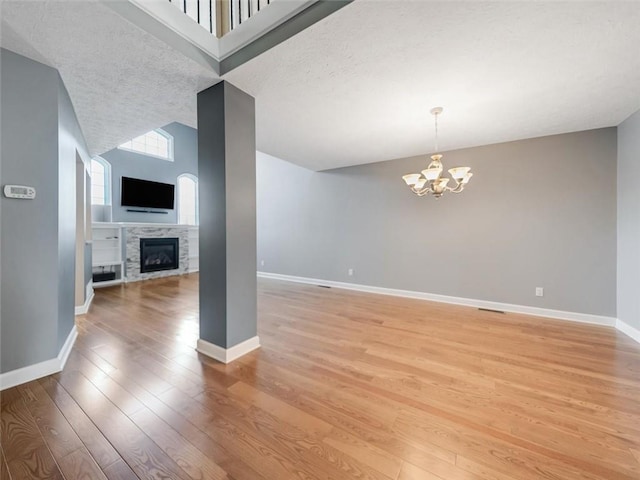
19,191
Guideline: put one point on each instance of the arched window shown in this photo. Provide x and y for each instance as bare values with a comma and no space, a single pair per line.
156,143
100,181
187,199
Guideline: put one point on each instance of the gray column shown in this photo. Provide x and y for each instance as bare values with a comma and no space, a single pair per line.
227,189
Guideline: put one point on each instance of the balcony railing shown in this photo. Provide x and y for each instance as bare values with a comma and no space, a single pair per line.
220,16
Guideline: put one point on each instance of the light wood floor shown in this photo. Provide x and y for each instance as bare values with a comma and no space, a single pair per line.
347,385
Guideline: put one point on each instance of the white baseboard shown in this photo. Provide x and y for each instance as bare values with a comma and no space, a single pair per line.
628,330
227,355
42,369
82,309
469,302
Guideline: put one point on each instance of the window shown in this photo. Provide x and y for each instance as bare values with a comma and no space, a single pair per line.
187,199
156,143
100,182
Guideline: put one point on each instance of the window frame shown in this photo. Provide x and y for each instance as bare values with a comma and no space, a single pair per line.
159,131
195,180
107,179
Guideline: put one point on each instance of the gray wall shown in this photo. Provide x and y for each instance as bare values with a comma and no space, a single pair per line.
131,164
537,213
240,144
39,139
88,252
629,221
227,159
70,141
29,249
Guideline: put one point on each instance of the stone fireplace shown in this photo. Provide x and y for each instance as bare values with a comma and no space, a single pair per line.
158,254
158,242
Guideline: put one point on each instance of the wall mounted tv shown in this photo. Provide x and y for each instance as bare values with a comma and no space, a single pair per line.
143,193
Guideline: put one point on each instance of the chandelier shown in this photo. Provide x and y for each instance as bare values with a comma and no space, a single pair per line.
431,179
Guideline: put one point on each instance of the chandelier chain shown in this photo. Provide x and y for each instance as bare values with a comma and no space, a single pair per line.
436,117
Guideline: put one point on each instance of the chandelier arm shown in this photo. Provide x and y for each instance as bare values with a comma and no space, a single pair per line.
458,188
452,189
422,192
430,189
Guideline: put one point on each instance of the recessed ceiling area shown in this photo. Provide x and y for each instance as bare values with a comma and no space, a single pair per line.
357,86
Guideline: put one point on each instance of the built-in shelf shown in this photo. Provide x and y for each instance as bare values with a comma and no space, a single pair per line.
107,253
105,264
108,283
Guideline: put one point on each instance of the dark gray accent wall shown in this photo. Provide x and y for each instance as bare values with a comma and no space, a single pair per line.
212,201
537,213
226,145
131,164
629,221
40,136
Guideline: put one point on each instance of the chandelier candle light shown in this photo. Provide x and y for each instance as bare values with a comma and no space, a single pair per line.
431,180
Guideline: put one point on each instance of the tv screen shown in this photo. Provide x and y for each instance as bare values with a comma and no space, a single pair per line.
143,193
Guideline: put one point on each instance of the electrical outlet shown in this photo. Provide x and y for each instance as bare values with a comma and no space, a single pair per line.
539,291
350,272
262,263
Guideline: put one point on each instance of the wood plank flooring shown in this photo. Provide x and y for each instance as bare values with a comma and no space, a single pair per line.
347,385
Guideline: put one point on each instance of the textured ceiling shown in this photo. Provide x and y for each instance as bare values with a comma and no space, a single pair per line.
357,86
121,80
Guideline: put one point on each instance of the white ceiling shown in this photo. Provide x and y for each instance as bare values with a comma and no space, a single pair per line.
121,80
357,86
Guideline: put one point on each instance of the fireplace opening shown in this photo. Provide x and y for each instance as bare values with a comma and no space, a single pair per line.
158,254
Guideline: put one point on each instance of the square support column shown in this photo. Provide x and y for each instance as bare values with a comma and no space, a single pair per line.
227,195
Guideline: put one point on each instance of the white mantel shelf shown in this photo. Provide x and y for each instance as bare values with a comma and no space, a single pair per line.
128,224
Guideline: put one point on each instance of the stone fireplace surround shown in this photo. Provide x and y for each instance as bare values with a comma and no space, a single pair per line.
133,234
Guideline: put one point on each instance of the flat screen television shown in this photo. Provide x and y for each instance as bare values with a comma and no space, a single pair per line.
146,194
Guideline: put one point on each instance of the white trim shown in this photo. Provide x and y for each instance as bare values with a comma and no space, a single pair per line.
263,22
228,355
181,24
628,330
194,179
242,35
470,302
42,369
82,309
107,180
